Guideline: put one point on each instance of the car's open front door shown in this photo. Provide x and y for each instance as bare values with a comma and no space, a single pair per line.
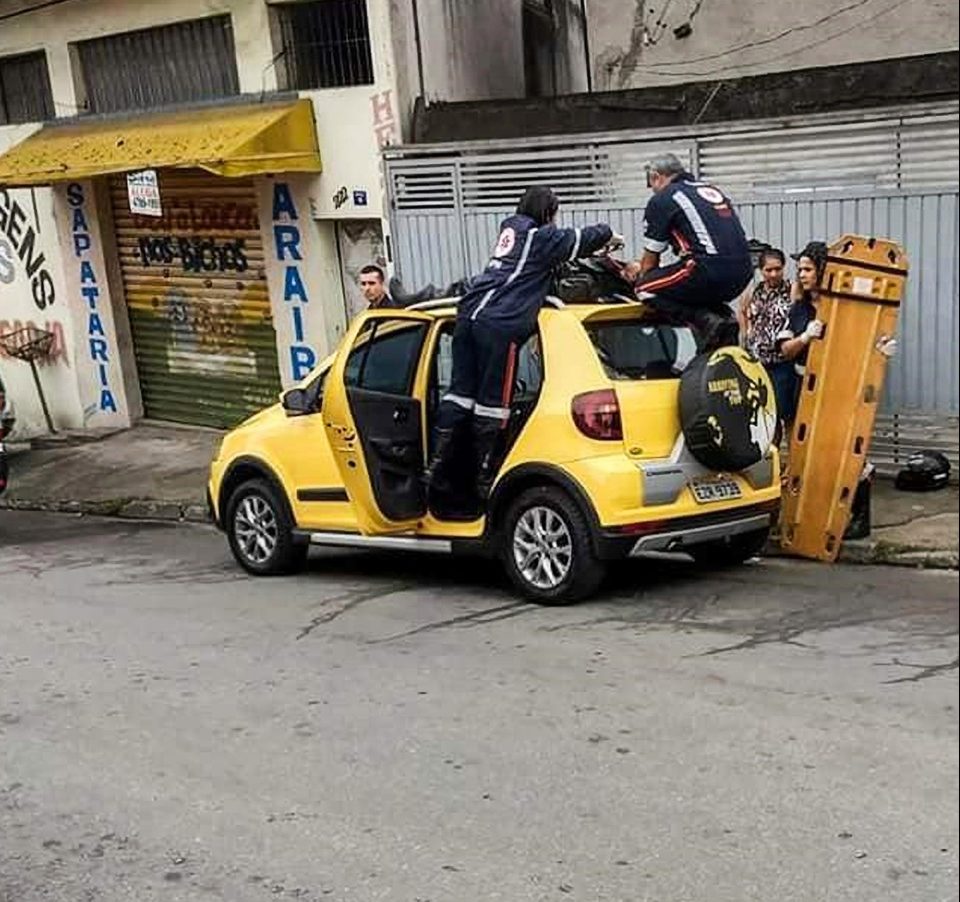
373,421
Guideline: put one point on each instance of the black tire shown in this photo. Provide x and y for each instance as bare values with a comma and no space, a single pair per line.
285,554
730,552
728,412
585,571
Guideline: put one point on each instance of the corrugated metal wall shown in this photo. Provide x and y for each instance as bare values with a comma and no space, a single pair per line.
196,290
926,375
884,174
893,176
921,398
441,247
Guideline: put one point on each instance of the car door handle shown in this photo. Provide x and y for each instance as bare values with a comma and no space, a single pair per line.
400,415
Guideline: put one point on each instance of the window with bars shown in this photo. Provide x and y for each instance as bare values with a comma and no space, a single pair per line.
25,94
324,44
179,63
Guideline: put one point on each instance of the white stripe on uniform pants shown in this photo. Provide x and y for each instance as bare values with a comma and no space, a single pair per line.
494,413
459,400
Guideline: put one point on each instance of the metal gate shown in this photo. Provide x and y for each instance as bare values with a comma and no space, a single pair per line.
197,296
893,176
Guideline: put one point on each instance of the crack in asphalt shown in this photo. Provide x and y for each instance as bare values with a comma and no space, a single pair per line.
476,618
352,600
786,630
925,670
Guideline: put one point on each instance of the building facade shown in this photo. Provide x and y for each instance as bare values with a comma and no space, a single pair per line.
188,192
254,131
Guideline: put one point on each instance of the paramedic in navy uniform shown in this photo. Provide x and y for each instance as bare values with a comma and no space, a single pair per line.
698,222
495,317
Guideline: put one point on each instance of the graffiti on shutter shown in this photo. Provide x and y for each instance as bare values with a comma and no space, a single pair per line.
197,296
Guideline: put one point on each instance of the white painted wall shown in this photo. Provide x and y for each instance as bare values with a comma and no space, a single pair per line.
21,297
351,125
732,38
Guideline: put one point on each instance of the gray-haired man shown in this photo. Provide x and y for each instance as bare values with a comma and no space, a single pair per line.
698,222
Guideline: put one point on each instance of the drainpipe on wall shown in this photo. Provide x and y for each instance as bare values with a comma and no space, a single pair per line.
417,43
586,44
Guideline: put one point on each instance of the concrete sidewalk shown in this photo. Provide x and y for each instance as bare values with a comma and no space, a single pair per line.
160,472
148,472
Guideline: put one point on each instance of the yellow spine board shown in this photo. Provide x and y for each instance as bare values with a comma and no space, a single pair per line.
863,284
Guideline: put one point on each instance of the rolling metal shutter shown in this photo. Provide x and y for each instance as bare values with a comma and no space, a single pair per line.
197,295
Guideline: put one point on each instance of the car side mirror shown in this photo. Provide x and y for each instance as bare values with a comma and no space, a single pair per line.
298,402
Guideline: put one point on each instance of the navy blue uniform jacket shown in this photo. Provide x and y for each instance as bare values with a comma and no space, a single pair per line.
695,218
508,294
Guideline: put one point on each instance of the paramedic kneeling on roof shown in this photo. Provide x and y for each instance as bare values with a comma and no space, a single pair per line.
699,223
495,317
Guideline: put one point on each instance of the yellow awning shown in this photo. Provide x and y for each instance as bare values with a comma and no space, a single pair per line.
226,140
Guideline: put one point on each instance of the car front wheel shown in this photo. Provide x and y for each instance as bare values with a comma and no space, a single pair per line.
547,548
260,530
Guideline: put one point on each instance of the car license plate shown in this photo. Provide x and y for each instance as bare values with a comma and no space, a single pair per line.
715,490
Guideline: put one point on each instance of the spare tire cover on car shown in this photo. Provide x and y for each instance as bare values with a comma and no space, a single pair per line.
728,413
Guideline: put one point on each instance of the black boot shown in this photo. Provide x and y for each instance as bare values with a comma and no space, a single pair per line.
674,313
859,525
714,330
435,476
486,440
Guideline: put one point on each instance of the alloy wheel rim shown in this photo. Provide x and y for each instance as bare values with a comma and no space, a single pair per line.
256,529
542,547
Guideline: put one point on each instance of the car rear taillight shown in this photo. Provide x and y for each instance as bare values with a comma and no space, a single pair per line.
597,415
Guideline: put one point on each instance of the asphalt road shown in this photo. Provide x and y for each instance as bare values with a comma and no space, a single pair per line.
402,728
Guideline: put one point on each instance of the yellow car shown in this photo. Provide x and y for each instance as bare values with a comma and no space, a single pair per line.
623,440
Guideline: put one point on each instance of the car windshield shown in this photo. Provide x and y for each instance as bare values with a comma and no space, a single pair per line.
637,349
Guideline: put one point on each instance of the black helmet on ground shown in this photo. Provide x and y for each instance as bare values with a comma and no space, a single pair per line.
925,471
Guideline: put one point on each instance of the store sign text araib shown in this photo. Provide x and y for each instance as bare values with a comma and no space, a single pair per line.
286,242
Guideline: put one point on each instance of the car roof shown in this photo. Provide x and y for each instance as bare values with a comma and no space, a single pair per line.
441,308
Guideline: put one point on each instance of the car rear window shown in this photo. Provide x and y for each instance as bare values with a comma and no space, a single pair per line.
633,349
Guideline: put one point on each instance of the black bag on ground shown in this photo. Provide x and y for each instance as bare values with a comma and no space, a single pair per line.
925,471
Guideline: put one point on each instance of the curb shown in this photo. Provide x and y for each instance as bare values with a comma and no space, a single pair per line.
895,555
854,552
885,553
124,508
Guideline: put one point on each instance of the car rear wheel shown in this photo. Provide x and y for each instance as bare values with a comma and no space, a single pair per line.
260,530
547,548
732,551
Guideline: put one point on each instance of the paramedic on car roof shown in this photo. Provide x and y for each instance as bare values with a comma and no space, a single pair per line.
698,222
495,317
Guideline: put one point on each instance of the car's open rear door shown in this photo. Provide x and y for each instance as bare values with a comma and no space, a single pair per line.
373,420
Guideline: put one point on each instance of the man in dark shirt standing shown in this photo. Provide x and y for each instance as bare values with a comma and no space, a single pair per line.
697,221
374,288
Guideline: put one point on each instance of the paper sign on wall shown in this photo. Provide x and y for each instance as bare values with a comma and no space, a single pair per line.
143,190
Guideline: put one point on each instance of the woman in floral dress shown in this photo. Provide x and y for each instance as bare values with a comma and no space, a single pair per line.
765,313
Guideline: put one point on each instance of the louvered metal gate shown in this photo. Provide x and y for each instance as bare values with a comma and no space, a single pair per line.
888,175
197,296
